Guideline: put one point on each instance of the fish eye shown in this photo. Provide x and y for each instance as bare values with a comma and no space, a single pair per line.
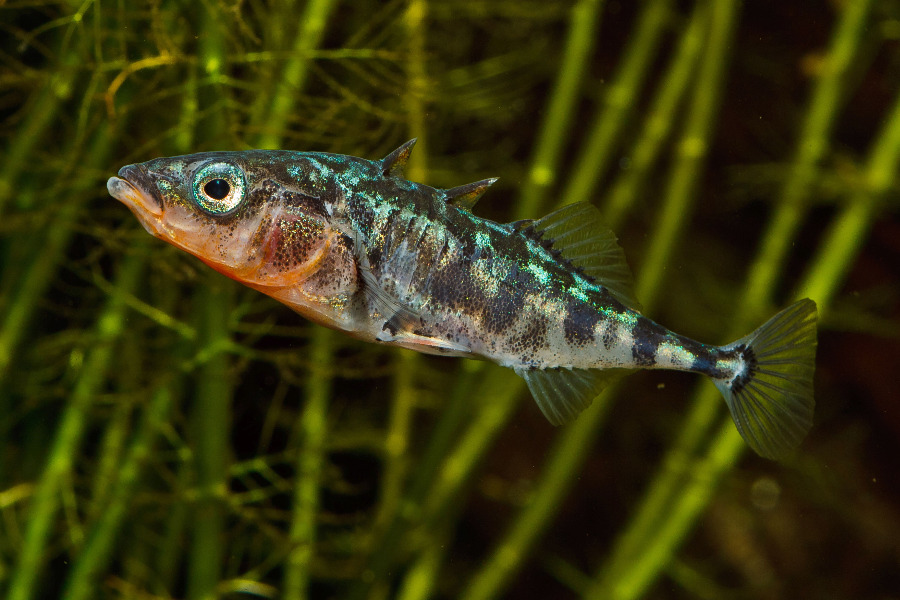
219,187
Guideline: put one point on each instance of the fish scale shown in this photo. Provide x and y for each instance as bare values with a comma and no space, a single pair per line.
350,244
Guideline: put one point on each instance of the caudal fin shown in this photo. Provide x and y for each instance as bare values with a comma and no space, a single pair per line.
771,398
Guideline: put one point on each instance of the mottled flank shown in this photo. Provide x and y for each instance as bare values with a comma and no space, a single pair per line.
350,244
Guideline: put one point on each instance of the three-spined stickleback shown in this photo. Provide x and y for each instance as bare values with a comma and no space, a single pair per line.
352,245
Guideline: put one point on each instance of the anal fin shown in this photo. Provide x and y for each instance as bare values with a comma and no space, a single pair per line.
562,393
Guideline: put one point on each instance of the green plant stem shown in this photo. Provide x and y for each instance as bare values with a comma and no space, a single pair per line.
625,573
211,427
691,150
94,559
618,100
659,120
441,443
837,253
583,26
309,468
830,91
39,273
211,411
566,458
42,112
559,474
848,232
397,438
272,119
45,502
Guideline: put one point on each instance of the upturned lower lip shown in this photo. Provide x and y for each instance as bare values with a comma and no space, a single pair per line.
126,189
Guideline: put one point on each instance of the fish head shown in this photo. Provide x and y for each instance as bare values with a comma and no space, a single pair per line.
255,216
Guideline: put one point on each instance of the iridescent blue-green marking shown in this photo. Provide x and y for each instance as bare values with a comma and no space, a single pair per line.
351,244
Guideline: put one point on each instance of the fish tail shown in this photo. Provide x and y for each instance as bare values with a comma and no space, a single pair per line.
770,393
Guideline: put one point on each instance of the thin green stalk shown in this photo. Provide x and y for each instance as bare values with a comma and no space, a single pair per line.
566,458
446,468
60,461
848,232
39,274
691,151
499,389
656,508
558,476
309,468
424,574
409,514
830,90
420,582
837,253
618,100
659,120
403,398
211,415
42,112
293,76
94,559
583,26
211,427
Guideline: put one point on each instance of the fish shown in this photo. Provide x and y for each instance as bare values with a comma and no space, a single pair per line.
350,244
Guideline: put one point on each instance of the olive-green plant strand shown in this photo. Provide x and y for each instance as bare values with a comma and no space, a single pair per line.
440,443
42,112
693,496
416,105
211,414
420,582
403,398
500,388
110,457
848,232
838,251
423,577
830,90
45,502
82,582
293,76
583,27
659,120
211,427
39,274
618,100
309,466
557,477
706,407
691,150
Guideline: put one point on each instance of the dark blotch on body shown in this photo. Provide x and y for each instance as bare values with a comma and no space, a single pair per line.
580,322
647,338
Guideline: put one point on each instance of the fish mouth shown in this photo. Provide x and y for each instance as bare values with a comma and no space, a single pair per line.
129,188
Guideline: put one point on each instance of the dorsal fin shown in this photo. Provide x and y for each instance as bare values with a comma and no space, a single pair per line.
563,393
393,163
466,196
576,231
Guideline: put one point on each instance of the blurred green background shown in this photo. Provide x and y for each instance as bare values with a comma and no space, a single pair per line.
167,433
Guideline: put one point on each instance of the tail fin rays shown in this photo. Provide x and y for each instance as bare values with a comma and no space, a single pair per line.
771,400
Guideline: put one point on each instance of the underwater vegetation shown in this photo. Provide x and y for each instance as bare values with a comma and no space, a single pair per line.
168,433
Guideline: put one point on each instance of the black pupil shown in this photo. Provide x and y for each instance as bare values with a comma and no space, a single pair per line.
217,188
